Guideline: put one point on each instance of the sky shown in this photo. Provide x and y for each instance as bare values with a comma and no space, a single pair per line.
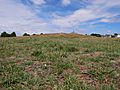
56,16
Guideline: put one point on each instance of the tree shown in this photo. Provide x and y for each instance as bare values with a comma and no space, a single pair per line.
34,34
97,35
4,34
115,34
25,34
13,34
41,33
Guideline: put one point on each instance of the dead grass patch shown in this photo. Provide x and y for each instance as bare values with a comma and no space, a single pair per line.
92,55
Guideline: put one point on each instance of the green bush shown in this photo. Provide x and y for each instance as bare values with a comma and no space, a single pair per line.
13,34
5,34
97,35
25,34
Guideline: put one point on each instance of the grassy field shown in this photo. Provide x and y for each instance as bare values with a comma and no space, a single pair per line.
59,62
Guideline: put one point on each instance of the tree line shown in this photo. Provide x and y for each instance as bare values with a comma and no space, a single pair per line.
107,35
13,34
5,34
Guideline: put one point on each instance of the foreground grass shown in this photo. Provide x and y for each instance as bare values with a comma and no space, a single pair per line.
59,63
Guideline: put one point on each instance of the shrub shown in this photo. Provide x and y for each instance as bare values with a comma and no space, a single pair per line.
5,34
97,35
41,33
34,34
25,34
115,34
13,34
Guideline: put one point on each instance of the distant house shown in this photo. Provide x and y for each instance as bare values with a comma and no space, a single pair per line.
118,36
107,35
111,36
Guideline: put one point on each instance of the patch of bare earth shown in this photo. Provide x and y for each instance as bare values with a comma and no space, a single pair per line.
118,83
92,55
86,78
20,62
31,68
61,77
39,69
8,58
83,75
116,65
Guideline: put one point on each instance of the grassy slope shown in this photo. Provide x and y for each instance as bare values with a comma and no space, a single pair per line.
59,63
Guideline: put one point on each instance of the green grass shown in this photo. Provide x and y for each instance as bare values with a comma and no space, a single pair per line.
59,63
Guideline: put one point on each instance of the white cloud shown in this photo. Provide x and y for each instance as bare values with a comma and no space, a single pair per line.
38,2
66,2
20,18
17,17
11,13
98,9
107,3
110,20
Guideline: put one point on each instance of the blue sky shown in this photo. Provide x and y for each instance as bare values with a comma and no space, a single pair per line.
55,16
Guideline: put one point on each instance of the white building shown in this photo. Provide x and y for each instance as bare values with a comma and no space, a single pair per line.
118,36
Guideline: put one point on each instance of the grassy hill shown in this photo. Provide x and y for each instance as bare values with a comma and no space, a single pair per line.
59,62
